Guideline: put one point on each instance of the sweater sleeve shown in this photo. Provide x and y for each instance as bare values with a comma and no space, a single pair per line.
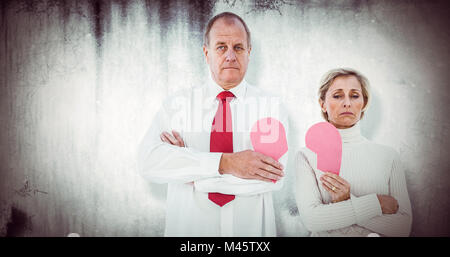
398,224
318,216
161,162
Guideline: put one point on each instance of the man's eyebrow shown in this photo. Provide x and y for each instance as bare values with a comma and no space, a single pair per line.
220,43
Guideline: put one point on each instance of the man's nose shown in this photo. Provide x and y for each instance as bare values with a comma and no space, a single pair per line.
230,55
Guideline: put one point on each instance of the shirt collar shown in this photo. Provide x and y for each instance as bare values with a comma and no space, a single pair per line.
239,91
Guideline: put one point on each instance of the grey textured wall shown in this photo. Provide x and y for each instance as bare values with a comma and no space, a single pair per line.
81,80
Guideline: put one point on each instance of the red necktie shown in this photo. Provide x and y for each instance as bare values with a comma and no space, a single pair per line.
222,138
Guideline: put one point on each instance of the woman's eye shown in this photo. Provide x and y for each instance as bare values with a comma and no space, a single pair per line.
336,96
355,96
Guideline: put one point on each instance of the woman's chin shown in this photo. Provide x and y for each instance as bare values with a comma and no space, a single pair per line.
344,124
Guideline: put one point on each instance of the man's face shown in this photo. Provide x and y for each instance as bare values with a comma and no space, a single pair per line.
228,53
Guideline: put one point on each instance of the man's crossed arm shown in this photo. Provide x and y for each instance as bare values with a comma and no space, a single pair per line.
246,164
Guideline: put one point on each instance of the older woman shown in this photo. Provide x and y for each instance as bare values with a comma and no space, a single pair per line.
369,195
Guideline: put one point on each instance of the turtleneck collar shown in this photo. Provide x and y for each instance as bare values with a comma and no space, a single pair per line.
352,134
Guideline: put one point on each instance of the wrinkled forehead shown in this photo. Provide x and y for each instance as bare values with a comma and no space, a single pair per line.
228,29
345,83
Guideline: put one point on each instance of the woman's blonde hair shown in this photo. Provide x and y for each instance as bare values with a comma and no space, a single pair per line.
331,75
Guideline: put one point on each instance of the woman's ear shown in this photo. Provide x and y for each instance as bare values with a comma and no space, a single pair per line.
322,105
366,102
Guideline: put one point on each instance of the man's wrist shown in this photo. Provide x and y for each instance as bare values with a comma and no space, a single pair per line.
223,163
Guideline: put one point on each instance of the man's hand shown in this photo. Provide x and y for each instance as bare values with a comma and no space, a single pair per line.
337,187
246,164
389,204
251,165
174,139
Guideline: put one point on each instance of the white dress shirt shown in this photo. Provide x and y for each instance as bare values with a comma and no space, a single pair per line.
192,171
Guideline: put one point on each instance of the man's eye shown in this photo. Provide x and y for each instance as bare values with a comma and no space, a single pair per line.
239,48
220,47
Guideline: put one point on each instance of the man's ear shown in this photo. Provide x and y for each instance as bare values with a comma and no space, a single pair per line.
205,51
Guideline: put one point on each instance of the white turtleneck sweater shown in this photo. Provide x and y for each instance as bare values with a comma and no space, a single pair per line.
370,169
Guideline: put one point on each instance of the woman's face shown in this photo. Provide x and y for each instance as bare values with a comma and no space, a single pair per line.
343,102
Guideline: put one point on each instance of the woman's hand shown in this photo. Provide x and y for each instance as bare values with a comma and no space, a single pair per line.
174,139
337,187
389,204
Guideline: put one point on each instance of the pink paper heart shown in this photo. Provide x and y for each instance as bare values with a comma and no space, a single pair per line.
268,137
324,139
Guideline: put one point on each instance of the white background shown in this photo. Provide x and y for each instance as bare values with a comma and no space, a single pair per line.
80,84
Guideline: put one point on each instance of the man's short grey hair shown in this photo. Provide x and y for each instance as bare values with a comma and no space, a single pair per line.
331,75
228,16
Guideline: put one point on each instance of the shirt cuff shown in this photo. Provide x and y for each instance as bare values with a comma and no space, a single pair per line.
365,207
210,163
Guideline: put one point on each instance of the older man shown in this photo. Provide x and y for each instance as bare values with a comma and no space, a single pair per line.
217,185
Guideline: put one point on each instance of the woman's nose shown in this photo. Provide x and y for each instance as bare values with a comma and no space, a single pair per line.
347,102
